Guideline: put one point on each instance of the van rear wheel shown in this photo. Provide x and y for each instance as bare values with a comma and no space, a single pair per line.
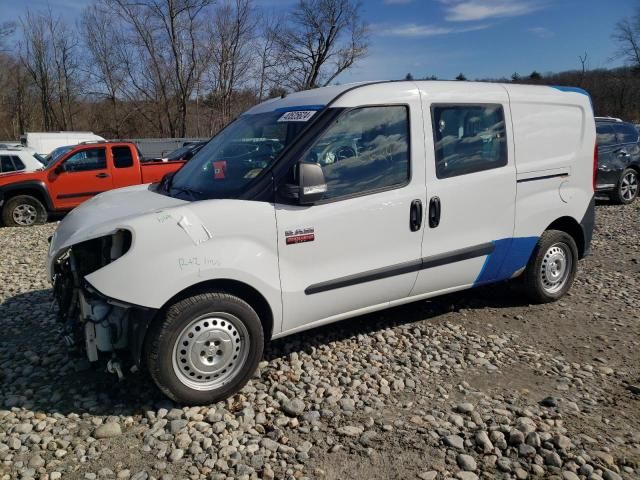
204,348
552,267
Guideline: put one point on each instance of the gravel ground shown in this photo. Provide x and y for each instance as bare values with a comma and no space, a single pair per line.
472,385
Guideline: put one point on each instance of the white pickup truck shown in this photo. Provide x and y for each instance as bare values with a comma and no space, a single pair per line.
323,205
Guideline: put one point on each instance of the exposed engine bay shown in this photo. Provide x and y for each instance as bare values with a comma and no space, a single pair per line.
95,324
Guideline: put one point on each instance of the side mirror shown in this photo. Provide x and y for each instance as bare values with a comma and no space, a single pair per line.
59,169
311,185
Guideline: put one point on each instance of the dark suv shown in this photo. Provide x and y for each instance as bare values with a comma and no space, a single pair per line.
618,160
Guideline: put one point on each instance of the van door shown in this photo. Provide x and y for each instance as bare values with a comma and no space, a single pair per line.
471,185
360,246
86,174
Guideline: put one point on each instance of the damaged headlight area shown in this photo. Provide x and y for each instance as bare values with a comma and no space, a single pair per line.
93,322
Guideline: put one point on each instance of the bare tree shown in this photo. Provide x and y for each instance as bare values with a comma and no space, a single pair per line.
270,58
165,55
583,64
323,39
234,30
48,51
36,59
627,35
106,73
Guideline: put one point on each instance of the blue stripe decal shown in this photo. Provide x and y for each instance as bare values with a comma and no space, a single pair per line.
575,90
509,256
295,108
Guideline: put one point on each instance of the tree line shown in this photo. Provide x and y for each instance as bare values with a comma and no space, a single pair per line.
178,68
614,92
167,68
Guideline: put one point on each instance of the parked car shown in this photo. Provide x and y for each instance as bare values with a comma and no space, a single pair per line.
186,152
423,188
72,176
45,142
618,160
19,159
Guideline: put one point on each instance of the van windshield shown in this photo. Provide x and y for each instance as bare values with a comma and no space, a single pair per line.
237,155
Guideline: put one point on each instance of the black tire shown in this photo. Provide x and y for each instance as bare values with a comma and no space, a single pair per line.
168,330
626,192
537,286
32,212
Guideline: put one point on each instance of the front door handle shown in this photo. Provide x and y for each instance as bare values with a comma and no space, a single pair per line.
434,212
415,216
102,175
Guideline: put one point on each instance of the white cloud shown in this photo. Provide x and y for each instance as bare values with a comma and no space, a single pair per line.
475,10
413,30
542,32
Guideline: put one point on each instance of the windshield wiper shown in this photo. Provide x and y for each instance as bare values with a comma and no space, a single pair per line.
191,191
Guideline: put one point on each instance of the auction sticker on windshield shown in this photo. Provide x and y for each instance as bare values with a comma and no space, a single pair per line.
297,116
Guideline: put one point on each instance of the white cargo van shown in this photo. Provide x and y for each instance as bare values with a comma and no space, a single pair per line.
324,205
45,142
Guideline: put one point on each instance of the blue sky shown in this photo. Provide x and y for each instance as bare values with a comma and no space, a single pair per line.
481,38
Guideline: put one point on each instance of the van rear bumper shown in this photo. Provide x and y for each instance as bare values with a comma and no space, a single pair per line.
587,223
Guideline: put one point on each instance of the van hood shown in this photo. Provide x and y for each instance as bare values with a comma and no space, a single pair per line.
107,212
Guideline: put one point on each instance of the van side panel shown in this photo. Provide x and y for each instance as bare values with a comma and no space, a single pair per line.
554,134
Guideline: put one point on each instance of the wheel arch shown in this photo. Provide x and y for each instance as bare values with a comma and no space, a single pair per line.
571,226
235,287
36,189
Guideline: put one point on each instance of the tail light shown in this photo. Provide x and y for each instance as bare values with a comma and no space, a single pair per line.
595,166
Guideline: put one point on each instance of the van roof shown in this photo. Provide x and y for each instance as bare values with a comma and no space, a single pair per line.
318,98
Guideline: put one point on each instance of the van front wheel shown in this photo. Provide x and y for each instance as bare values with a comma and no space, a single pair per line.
552,267
204,348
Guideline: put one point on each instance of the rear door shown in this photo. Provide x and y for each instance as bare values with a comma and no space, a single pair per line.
126,171
86,174
608,150
471,189
628,150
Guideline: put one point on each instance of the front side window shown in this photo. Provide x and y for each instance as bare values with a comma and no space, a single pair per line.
468,139
365,150
6,165
122,157
626,133
236,156
86,160
605,134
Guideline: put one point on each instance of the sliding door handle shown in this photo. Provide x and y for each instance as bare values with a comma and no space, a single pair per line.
434,212
415,215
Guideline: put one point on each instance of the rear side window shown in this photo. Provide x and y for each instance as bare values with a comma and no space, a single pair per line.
17,163
468,139
365,150
626,133
122,157
605,134
6,165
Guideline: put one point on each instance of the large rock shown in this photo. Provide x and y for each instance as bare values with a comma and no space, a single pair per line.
108,430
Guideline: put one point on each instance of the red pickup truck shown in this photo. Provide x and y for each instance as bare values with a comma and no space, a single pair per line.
72,177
